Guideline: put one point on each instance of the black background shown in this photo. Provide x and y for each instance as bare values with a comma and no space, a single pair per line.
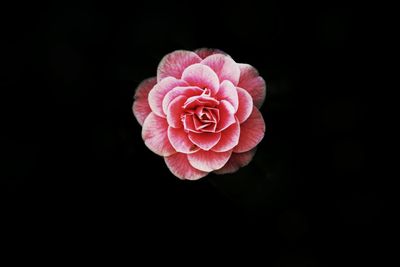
74,165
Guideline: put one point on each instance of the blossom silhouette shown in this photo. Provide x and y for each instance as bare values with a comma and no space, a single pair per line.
201,112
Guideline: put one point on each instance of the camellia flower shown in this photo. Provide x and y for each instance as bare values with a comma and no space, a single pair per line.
201,112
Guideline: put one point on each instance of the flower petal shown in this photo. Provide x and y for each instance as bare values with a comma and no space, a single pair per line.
180,141
209,160
179,165
202,76
251,132
214,112
204,140
141,108
198,124
209,128
178,91
203,101
253,83
154,134
174,112
204,113
224,66
228,92
237,161
226,115
159,91
205,52
229,138
188,123
245,105
173,64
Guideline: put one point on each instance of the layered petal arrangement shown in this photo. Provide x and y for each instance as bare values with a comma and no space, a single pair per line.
201,112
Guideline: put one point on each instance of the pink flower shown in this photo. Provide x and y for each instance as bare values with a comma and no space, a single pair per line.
201,112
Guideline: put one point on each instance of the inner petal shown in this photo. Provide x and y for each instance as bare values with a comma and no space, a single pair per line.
188,124
214,112
198,124
202,100
201,114
210,128
204,114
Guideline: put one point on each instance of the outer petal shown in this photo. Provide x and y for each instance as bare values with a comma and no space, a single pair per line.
180,141
179,91
224,66
173,64
154,134
237,161
253,83
245,105
202,76
179,165
227,91
141,108
204,140
205,52
226,115
229,138
174,112
159,91
209,160
251,132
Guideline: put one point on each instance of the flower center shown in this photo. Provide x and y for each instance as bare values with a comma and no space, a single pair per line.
200,113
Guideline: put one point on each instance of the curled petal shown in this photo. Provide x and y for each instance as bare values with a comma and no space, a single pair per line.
229,138
227,91
224,66
251,132
141,108
180,141
245,105
188,123
209,128
214,112
157,94
204,113
198,124
253,83
154,134
179,165
173,64
204,140
209,160
202,76
237,161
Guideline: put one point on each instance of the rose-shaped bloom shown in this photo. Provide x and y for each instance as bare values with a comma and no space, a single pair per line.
201,112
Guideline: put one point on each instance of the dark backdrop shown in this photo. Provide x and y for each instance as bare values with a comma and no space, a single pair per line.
74,165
